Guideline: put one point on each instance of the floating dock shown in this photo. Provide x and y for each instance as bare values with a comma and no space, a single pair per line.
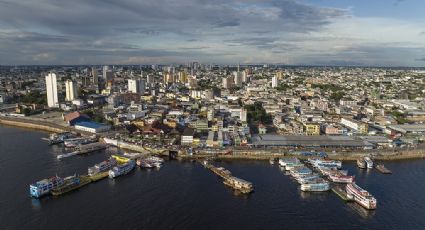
341,193
84,180
381,168
99,176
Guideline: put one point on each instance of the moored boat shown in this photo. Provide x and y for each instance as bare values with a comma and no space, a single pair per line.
44,187
122,169
369,162
318,185
381,168
285,161
120,159
361,163
339,178
307,178
102,166
326,163
239,184
361,196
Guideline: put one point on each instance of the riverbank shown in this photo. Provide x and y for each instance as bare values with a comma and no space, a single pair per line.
46,126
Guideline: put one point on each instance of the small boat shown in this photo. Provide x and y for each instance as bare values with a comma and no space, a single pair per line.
65,155
45,186
369,162
143,163
381,168
285,161
120,159
361,196
271,161
361,163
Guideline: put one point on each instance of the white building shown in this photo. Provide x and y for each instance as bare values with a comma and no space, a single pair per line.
237,76
52,91
136,86
71,90
275,82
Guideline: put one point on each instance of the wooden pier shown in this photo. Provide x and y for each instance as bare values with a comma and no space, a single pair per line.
229,180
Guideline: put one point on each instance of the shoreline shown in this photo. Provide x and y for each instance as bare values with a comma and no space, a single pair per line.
251,154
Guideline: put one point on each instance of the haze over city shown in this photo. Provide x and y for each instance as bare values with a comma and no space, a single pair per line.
291,32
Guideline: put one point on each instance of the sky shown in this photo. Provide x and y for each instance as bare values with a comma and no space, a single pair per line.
291,32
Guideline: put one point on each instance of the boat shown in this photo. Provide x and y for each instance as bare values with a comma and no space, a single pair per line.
292,166
326,163
155,159
361,163
271,161
361,196
102,166
381,168
285,161
122,169
328,171
44,187
120,159
339,178
65,155
239,184
71,183
318,185
74,142
300,172
57,138
307,178
143,163
369,162
132,155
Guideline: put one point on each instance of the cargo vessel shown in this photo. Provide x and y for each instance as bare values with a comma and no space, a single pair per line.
45,186
122,169
71,183
361,196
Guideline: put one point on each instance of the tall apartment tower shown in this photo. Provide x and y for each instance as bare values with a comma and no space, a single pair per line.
136,86
95,79
275,82
52,91
71,90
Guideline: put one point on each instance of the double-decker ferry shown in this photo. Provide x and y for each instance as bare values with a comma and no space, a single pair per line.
361,196
296,172
318,185
326,163
122,169
43,187
340,178
305,179
102,166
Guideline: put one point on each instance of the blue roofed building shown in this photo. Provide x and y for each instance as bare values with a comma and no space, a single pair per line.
92,127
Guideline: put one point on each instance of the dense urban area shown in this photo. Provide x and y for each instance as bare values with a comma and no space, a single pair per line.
211,109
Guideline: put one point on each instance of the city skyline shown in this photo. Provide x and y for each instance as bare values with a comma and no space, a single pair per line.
290,32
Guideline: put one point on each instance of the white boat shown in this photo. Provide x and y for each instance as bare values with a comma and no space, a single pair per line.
305,179
339,178
361,163
285,161
319,185
369,162
361,196
326,163
66,155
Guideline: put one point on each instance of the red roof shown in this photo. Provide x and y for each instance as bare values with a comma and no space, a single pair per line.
74,115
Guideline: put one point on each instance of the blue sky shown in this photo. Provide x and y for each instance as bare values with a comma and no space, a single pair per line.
294,32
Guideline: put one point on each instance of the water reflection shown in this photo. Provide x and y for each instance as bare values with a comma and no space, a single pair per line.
365,213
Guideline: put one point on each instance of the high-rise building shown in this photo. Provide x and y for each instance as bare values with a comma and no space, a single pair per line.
71,90
275,82
95,78
237,76
52,91
228,82
136,86
105,69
